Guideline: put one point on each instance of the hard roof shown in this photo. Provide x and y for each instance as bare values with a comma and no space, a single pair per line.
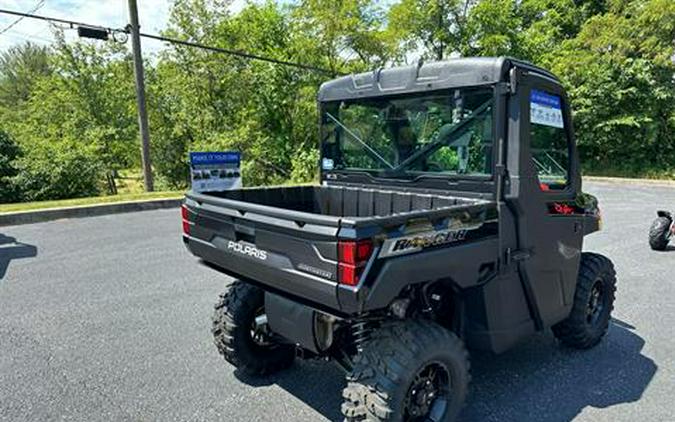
452,73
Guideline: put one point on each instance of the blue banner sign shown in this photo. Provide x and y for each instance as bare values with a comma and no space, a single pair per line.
201,158
215,171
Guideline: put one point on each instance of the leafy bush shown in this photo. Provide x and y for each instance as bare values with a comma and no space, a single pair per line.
9,152
58,171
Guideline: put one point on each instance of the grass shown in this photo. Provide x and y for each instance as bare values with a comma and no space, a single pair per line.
28,206
130,181
129,188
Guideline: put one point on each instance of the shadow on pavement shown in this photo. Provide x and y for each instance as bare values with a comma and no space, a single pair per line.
543,381
317,384
11,249
536,381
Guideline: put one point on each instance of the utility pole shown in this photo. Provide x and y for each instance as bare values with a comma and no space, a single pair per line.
140,95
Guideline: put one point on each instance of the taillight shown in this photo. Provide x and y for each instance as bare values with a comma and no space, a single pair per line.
352,257
354,253
186,221
564,209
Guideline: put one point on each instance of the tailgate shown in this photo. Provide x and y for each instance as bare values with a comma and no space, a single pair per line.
290,251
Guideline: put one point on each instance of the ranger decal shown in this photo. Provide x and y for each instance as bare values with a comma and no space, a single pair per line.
414,243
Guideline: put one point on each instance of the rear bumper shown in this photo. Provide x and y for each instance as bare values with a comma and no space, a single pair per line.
278,274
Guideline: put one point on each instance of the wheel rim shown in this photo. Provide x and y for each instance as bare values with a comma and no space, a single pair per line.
429,395
596,303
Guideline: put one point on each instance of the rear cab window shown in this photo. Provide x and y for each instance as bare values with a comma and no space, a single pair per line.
549,142
447,132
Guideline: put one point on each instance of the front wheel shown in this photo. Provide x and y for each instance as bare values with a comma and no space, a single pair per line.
240,332
593,303
660,233
408,371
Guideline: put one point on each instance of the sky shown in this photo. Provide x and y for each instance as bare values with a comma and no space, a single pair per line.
153,16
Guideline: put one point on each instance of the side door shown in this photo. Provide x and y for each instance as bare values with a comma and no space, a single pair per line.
544,179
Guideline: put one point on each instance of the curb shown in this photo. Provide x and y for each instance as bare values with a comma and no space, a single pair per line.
626,180
49,214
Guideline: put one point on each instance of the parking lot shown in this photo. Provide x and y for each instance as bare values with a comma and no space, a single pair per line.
108,318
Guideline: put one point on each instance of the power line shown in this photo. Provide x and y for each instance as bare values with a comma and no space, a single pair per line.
71,24
33,10
236,53
13,33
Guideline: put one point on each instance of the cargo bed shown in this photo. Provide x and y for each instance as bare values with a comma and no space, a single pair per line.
331,205
286,238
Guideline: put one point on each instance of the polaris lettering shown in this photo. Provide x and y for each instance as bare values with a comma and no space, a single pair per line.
249,250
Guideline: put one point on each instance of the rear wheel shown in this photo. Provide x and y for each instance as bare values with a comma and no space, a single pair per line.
408,371
659,233
240,332
593,303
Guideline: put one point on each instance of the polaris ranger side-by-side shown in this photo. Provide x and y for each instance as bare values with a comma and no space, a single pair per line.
449,216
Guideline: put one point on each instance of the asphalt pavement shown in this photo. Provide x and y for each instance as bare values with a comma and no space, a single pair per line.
108,318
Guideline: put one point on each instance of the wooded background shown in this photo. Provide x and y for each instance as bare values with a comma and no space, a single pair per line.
68,125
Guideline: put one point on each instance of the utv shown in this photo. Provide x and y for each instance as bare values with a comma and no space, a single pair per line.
449,216
661,231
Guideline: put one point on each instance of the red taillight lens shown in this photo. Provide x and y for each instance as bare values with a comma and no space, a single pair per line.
348,274
186,221
354,253
352,257
564,209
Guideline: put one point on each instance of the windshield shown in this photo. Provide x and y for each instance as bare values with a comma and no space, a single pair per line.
443,133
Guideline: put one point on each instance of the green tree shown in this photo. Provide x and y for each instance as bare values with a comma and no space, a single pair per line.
20,68
547,23
493,28
9,152
57,162
81,111
341,35
70,108
436,28
619,73
206,101
58,171
97,81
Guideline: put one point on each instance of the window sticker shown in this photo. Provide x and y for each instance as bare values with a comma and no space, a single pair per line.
545,109
327,164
